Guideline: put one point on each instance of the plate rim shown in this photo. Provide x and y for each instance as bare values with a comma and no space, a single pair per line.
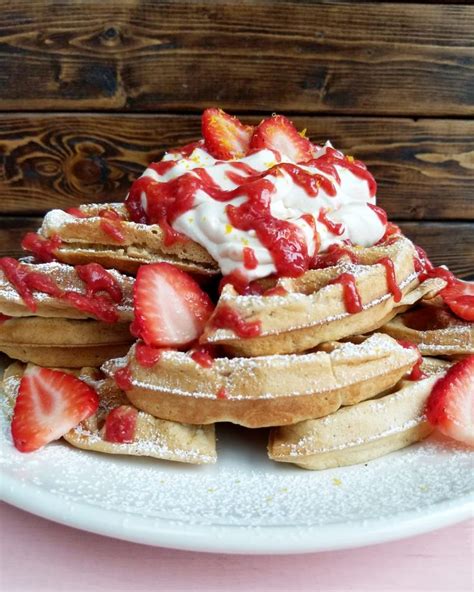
231,539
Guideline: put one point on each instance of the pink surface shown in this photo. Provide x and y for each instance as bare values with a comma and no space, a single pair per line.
39,555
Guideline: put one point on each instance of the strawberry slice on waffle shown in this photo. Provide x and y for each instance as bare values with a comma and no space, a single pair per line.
49,404
170,307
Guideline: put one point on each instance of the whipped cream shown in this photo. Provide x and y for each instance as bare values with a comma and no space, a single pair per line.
340,212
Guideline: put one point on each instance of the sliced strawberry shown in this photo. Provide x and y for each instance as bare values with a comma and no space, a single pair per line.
225,136
279,133
450,406
49,404
459,296
121,424
170,307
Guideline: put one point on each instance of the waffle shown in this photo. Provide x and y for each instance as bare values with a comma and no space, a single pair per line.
362,432
63,342
84,240
58,334
435,330
314,311
65,276
265,391
153,437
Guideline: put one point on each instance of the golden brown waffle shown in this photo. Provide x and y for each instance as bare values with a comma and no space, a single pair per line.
84,240
361,432
264,391
63,342
313,311
153,437
435,330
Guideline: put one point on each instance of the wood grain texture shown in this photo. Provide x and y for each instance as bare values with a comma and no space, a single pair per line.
448,243
148,55
424,168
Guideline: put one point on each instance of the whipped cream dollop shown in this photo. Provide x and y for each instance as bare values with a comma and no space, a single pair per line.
327,201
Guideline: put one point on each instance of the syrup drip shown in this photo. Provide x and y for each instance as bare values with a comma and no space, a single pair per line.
240,284
77,213
203,357
43,249
111,224
98,279
381,213
222,393
146,355
391,278
26,282
416,372
333,227
249,258
123,378
333,256
227,318
352,299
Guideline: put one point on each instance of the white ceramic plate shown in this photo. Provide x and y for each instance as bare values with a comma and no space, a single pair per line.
245,503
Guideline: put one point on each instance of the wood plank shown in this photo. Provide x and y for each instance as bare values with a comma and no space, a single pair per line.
425,168
144,55
448,243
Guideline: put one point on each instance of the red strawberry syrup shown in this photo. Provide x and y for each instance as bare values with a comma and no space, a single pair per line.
203,357
146,355
43,249
123,378
352,299
391,278
226,317
416,372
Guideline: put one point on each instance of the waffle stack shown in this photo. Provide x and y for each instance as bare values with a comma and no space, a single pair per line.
329,358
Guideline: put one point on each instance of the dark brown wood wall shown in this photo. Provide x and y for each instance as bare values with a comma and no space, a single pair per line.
90,92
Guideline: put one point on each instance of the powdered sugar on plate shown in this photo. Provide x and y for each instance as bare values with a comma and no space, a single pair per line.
244,488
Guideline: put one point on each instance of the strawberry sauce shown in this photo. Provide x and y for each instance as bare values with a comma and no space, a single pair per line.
120,425
77,213
111,224
98,279
146,355
226,317
4,318
43,249
416,372
222,393
333,227
391,278
352,299
250,260
123,378
333,256
27,281
203,357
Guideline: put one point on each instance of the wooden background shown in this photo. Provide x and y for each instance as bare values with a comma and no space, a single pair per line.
91,91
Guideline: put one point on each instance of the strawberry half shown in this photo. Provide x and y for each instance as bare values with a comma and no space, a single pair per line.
170,307
450,406
279,133
121,424
225,136
49,404
459,296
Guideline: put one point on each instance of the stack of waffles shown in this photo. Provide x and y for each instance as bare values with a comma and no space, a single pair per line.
249,278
